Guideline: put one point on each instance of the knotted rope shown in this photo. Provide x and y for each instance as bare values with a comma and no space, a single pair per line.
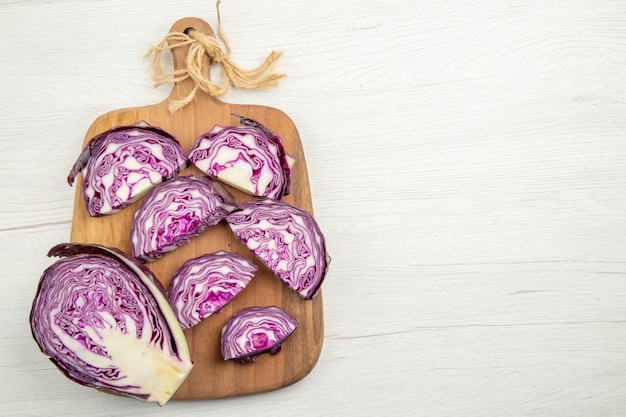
202,46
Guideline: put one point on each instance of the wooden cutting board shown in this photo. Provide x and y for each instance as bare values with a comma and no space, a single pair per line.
211,377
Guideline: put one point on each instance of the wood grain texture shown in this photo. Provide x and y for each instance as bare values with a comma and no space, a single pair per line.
466,162
211,376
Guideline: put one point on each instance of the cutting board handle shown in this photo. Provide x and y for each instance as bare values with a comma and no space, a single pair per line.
179,55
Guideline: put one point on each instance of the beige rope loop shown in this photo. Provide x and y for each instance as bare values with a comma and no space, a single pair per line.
202,46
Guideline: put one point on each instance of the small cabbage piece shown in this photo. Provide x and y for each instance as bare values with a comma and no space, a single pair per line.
286,239
102,318
203,285
174,212
249,157
121,165
256,330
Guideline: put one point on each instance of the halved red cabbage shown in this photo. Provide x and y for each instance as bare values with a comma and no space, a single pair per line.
103,320
286,239
256,330
203,285
250,158
122,164
174,212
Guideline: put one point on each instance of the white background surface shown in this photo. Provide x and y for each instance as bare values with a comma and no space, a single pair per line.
467,164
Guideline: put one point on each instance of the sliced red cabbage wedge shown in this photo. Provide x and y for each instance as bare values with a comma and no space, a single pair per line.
248,157
174,212
286,239
256,330
203,285
122,164
103,320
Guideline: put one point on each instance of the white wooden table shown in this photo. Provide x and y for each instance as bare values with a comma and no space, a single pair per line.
467,163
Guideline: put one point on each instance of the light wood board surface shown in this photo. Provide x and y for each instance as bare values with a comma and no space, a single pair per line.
465,160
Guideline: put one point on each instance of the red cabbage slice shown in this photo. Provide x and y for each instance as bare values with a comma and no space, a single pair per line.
122,164
256,330
286,239
249,157
203,285
174,212
103,320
